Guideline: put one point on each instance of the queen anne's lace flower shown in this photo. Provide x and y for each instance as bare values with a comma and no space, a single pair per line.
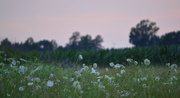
21,88
50,83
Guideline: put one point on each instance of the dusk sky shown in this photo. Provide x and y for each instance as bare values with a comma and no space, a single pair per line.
58,19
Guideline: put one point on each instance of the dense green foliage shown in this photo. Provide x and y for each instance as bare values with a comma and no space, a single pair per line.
157,55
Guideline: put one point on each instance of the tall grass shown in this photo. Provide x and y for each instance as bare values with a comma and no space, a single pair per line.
23,79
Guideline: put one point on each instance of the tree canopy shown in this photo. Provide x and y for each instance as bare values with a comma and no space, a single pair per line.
144,34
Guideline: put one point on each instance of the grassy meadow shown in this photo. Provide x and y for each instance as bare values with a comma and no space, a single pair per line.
137,78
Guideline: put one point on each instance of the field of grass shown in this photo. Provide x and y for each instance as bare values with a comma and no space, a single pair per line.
159,55
20,78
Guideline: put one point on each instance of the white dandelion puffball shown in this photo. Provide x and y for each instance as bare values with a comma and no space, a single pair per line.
135,63
122,71
147,62
157,78
77,85
144,86
50,83
22,69
21,88
80,57
95,65
111,64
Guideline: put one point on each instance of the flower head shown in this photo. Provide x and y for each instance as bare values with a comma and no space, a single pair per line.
173,66
122,71
22,69
50,83
147,62
95,65
21,88
30,83
135,63
157,78
80,57
76,84
129,60
144,86
111,64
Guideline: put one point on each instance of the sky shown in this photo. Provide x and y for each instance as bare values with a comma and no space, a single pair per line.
58,19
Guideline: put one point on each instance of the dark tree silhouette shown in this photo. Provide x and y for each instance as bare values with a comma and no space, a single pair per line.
6,43
172,38
143,33
97,42
86,43
74,41
77,42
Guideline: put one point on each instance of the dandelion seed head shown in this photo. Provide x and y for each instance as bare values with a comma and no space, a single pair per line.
95,65
111,64
147,62
157,78
50,83
21,88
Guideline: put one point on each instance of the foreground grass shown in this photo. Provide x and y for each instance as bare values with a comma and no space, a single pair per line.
26,80
134,82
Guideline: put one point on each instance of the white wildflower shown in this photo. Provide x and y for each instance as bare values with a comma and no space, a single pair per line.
50,83
77,73
143,78
51,75
107,69
147,62
111,64
21,88
125,93
173,66
6,71
58,80
22,69
76,84
93,71
135,63
80,57
8,95
118,74
117,66
95,65
30,83
36,79
86,68
13,62
144,86
168,64
157,78
71,79
102,87
129,60
122,71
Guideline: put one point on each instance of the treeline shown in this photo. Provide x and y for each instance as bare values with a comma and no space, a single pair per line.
76,42
144,34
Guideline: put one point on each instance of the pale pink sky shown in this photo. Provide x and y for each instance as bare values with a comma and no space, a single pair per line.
58,19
